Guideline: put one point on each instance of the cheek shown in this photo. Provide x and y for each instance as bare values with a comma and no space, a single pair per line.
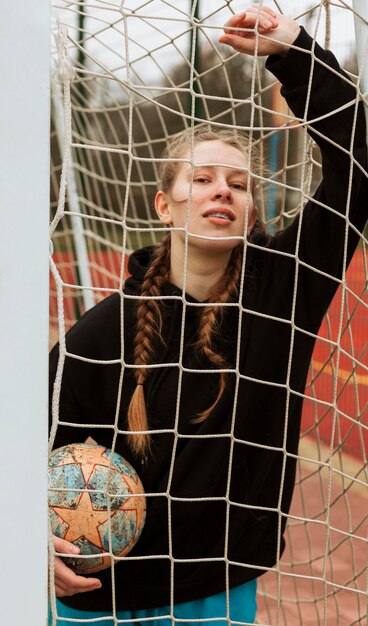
249,205
180,192
248,211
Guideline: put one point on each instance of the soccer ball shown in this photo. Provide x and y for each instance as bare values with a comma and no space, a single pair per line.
93,503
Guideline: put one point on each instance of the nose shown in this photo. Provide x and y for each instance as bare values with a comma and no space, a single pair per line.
223,192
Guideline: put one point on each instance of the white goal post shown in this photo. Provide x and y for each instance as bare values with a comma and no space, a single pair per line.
361,37
24,210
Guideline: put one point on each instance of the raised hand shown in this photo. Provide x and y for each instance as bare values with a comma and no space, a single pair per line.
271,33
67,582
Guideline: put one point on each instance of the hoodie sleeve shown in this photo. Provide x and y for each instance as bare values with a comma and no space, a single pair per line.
84,381
324,99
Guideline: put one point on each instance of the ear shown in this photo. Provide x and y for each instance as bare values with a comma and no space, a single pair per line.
252,218
162,208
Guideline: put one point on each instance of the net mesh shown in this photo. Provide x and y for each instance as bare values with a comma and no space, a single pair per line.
128,76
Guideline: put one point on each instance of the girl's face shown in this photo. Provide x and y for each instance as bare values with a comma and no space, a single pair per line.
212,200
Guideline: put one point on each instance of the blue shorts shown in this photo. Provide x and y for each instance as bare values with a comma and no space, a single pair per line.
242,608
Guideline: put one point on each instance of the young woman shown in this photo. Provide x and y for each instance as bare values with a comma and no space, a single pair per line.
219,293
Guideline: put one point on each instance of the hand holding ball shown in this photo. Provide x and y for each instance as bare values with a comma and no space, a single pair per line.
96,501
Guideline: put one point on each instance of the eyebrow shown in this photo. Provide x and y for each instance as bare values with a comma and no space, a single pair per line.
233,170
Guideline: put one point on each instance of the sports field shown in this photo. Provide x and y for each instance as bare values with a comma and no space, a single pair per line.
322,576
338,387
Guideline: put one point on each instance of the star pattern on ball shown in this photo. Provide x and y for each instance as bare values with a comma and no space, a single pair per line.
96,501
86,459
92,519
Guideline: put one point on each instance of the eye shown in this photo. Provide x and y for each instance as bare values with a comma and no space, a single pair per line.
239,186
201,179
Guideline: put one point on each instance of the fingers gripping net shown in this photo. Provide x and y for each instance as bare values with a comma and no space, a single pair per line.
129,76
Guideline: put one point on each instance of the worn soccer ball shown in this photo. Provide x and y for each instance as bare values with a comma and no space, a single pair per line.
96,503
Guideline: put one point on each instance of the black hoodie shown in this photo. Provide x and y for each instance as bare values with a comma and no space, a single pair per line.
219,492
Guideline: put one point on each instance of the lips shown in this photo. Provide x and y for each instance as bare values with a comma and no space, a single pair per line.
220,214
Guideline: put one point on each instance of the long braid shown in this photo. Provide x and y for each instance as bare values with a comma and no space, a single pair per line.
211,318
149,319
149,323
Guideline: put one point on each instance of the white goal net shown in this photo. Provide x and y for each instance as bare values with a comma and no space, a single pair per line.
127,76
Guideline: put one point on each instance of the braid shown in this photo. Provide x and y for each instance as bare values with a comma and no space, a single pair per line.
211,319
149,324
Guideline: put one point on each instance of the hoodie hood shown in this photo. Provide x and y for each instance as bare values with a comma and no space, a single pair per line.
138,264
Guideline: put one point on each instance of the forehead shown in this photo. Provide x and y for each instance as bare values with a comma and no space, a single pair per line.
216,153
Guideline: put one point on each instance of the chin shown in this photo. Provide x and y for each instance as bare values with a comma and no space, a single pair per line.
214,245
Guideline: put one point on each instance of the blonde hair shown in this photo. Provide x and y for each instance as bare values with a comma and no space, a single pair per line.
149,315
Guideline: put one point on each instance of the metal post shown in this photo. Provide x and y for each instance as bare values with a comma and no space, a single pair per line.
24,278
194,41
361,36
73,203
